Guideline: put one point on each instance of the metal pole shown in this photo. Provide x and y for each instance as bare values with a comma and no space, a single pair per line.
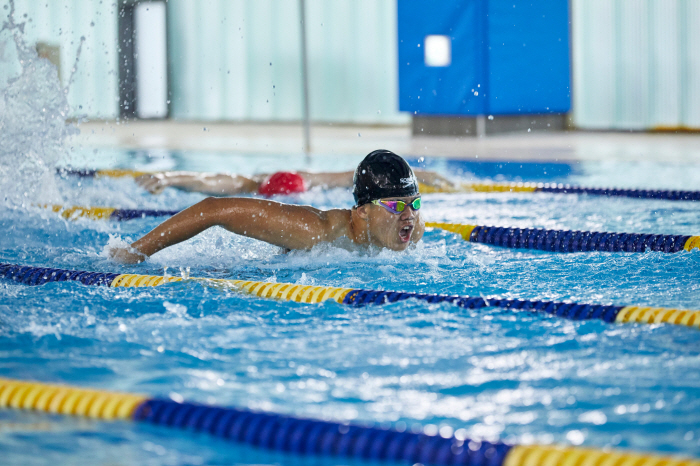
305,82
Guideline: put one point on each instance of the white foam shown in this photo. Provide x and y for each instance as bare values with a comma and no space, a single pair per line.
33,129
115,242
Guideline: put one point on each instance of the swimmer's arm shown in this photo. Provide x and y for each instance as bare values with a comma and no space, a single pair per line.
432,179
216,184
328,179
284,225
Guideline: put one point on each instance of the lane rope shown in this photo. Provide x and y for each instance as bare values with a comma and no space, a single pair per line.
98,173
568,240
306,436
106,213
664,194
559,188
360,297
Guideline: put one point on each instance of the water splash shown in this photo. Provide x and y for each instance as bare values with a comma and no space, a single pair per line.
33,112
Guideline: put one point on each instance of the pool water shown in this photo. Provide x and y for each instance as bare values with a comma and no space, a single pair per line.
513,375
489,373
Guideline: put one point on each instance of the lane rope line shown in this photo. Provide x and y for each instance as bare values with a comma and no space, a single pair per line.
308,436
569,240
34,276
98,173
558,188
105,213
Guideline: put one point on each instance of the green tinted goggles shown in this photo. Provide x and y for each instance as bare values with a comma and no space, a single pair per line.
396,207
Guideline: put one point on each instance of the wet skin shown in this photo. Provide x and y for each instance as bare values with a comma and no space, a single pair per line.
284,225
393,231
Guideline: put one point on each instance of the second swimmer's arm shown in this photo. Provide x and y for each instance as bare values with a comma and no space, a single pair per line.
216,184
284,225
432,178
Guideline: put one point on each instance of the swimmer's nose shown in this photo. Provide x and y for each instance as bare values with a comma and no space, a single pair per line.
407,213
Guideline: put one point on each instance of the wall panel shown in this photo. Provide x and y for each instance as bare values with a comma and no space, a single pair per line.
240,60
636,64
691,65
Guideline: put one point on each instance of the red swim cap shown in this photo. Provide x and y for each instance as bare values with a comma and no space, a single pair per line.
282,183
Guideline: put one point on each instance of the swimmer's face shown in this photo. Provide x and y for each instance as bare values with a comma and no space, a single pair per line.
393,231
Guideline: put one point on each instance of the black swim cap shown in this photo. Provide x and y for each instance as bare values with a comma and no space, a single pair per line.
383,174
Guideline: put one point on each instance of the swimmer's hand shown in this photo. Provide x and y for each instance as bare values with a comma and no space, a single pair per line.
433,179
127,255
154,183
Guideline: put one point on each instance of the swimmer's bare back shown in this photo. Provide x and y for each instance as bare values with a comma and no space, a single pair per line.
284,225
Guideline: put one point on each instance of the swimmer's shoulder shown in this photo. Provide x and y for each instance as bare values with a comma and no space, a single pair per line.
338,223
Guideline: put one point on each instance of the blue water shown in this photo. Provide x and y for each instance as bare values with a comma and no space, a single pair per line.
517,376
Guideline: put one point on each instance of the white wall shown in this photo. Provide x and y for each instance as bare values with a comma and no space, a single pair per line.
240,60
636,64
151,52
220,53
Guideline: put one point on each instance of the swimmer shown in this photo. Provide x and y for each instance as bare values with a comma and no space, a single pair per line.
386,214
223,184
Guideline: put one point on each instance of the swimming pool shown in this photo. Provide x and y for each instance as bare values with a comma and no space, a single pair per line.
517,376
485,373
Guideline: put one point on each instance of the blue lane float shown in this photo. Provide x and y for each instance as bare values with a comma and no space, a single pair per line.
313,437
360,297
662,194
568,240
302,436
106,213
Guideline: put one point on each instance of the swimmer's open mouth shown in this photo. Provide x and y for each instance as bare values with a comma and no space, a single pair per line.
405,233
